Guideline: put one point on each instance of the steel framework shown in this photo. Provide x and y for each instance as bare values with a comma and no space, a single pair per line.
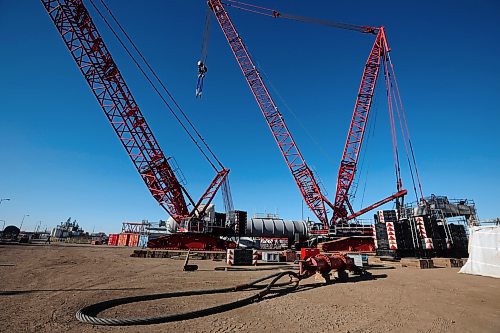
357,127
301,172
94,60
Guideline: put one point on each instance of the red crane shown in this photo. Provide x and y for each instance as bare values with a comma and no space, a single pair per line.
302,174
357,128
94,60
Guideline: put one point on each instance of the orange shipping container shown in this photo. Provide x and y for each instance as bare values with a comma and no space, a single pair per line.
123,239
133,240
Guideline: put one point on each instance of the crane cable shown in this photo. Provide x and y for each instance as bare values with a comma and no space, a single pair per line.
370,133
393,94
89,313
202,68
404,131
206,35
391,120
277,14
210,152
294,114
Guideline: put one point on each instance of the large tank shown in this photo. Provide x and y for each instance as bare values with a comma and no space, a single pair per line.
276,228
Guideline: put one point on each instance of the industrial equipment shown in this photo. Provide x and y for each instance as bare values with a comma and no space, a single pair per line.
87,47
301,172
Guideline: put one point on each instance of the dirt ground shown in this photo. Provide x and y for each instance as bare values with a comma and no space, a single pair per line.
42,287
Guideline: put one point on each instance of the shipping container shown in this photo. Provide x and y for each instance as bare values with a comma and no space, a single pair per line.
123,239
143,241
133,240
113,239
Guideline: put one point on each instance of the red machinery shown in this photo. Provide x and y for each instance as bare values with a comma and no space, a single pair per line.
191,241
94,60
301,172
324,264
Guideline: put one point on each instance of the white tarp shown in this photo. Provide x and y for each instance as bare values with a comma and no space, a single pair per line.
484,252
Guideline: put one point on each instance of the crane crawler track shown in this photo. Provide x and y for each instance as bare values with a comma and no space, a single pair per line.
89,313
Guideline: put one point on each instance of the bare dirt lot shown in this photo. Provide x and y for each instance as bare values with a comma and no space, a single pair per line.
42,287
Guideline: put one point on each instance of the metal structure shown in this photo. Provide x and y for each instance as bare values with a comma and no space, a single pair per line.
275,228
94,60
136,227
357,128
302,174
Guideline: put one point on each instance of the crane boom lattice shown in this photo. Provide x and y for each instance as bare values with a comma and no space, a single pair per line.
301,173
357,127
94,60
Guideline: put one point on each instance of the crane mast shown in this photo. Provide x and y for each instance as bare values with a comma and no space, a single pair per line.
94,60
301,172
342,210
357,127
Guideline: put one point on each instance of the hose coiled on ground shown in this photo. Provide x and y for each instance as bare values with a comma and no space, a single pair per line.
89,313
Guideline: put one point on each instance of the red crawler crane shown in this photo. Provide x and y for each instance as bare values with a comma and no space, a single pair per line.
302,174
92,57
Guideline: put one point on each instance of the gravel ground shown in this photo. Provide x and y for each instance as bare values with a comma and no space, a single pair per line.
42,287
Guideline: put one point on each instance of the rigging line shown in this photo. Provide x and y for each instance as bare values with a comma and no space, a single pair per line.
301,124
248,10
331,24
206,36
159,81
152,84
364,191
391,119
249,5
398,112
276,14
406,126
369,134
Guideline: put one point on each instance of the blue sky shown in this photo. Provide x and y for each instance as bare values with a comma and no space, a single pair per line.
60,157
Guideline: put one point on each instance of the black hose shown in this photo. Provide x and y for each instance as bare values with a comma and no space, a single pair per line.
89,313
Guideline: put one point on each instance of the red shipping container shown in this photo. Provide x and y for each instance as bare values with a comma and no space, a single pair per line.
123,239
113,239
306,252
133,240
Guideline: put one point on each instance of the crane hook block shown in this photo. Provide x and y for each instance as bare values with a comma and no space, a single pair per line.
202,70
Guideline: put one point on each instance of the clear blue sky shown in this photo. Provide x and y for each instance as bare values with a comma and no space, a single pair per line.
60,157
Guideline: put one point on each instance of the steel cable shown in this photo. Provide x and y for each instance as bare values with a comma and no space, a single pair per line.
89,313
155,88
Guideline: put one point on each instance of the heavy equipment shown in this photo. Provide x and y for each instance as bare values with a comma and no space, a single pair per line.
86,45
303,175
